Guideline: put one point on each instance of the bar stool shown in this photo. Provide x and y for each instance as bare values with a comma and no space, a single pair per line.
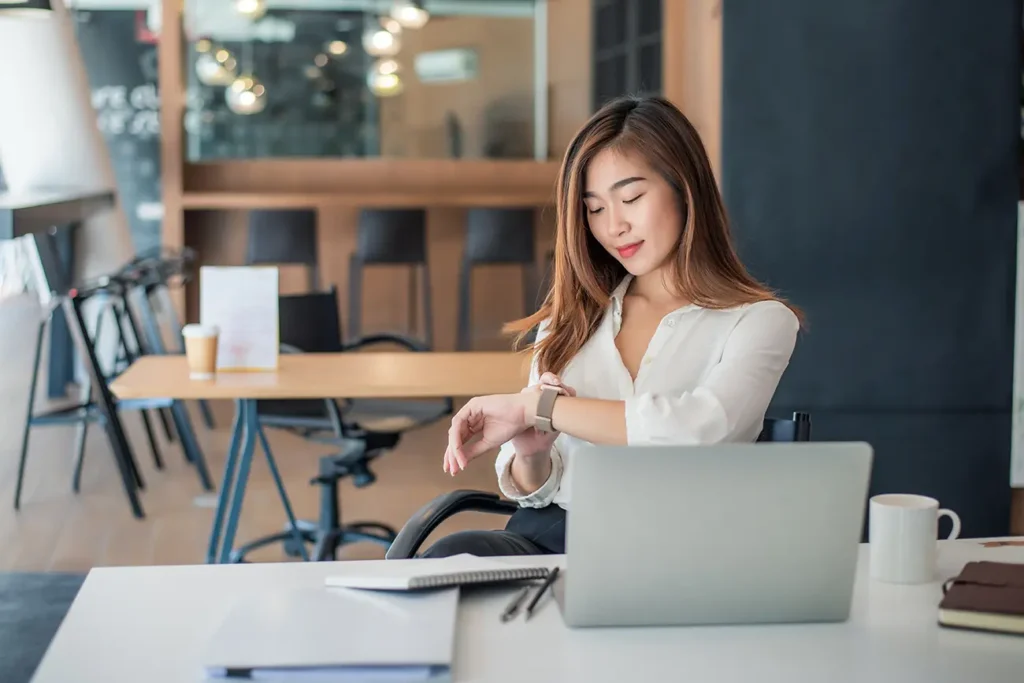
496,236
391,237
284,237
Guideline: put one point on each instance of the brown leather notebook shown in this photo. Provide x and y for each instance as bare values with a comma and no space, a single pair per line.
986,596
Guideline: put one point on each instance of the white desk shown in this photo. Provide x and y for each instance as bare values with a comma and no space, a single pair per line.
150,624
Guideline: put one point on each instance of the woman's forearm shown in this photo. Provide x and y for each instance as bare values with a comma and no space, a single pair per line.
589,419
530,471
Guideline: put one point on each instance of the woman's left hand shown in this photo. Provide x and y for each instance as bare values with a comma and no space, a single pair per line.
495,419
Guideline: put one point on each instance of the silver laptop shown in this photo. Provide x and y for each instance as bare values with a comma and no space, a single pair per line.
725,534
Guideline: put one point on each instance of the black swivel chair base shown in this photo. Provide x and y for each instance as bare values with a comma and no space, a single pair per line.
327,534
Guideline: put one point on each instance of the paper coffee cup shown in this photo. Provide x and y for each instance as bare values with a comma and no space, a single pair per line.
201,350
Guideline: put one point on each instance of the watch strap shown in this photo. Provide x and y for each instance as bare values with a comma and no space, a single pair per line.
545,405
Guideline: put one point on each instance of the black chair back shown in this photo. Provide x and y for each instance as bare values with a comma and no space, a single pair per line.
310,321
778,429
500,235
392,236
282,236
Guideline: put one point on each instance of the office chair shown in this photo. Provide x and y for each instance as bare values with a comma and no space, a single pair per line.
363,429
431,515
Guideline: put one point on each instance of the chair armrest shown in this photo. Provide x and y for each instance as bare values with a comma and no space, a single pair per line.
407,342
430,516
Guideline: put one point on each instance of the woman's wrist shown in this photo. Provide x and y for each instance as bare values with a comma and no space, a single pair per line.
530,399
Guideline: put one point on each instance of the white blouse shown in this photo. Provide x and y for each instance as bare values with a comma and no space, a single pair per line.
707,377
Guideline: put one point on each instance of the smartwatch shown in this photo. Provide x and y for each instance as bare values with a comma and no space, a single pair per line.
544,407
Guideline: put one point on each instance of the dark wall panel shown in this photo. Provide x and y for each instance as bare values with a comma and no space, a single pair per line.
870,166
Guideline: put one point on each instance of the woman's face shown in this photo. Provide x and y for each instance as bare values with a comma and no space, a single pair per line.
632,211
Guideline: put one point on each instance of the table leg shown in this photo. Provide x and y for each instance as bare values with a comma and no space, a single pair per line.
244,465
292,525
212,552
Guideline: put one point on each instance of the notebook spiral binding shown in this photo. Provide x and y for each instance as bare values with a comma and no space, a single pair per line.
485,576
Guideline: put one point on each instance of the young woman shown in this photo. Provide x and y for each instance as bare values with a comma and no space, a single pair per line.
653,331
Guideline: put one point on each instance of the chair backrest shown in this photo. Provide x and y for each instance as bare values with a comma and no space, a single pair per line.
798,428
310,321
500,235
397,236
282,236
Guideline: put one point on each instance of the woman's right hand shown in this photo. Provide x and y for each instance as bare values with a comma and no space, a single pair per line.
532,441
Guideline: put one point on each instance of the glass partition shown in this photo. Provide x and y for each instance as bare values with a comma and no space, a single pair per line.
365,78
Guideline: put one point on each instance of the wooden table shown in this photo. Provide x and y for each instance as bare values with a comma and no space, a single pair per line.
345,375
151,624
312,376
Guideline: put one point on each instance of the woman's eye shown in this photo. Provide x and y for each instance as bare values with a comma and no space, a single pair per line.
630,201
596,210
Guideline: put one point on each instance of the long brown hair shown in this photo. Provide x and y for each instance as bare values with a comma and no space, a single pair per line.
707,270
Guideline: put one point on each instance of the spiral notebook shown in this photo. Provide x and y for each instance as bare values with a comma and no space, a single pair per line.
461,570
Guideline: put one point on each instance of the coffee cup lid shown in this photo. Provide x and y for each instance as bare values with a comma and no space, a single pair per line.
199,330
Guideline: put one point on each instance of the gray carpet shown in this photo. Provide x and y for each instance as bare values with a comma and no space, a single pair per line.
32,607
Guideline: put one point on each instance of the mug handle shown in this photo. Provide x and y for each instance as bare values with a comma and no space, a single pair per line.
955,518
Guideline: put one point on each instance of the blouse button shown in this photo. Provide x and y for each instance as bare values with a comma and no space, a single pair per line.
671,322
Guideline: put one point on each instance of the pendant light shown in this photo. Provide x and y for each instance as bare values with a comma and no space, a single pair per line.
384,79
216,67
246,95
410,13
251,9
379,42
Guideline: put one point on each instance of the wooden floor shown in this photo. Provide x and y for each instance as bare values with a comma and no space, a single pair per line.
57,530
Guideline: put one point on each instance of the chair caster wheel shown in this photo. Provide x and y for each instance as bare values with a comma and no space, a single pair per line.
292,548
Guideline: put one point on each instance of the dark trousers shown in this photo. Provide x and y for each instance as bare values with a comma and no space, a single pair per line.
529,531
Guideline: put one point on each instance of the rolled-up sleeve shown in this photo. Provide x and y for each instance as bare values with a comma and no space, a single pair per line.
543,496
734,396
503,464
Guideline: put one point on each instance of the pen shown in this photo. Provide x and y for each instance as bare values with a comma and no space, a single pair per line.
513,606
544,586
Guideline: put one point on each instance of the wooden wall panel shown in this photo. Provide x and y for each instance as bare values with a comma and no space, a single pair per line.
692,70
569,81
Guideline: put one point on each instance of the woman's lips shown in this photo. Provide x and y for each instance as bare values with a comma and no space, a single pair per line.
629,249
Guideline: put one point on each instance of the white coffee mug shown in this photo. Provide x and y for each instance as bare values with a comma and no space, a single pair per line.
903,534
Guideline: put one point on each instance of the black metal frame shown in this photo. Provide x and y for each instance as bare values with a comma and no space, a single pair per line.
99,405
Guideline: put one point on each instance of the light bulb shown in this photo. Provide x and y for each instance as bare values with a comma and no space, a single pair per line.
253,9
381,43
384,80
246,96
386,66
216,67
410,13
391,25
